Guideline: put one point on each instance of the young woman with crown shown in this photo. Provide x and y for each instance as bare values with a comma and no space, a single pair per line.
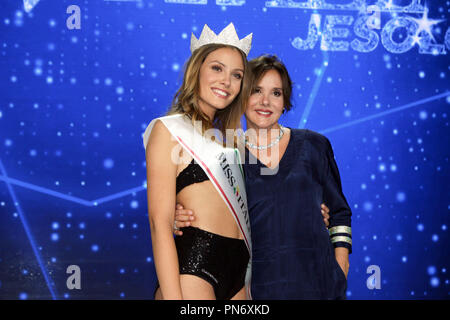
185,164
289,173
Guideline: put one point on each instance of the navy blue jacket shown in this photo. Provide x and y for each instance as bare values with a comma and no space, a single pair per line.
293,251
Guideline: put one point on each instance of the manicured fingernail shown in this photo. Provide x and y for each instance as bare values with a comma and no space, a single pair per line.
191,218
188,223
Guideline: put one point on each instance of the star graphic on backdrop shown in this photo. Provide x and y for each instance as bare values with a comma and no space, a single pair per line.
426,24
416,38
28,5
389,4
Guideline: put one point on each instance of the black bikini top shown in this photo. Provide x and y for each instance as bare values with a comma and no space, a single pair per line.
193,173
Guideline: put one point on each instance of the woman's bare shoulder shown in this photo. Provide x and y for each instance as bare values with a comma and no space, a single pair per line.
160,137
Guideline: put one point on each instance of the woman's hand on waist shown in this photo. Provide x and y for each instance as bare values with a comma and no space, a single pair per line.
183,218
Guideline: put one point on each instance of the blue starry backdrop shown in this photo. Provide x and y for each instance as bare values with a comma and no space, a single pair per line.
81,80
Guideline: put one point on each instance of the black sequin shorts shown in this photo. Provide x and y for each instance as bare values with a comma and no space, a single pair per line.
222,261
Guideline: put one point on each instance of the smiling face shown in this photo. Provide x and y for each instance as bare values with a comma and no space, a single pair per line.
220,80
266,103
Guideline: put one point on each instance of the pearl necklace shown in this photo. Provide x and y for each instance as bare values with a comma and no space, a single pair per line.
254,146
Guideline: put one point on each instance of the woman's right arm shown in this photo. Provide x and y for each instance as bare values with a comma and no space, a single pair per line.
161,195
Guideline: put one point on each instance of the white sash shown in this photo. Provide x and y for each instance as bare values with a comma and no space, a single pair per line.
221,165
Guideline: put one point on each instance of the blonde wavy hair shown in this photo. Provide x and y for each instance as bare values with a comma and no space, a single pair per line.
187,97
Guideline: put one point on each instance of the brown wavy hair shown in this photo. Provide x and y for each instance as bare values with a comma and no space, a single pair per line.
187,97
258,68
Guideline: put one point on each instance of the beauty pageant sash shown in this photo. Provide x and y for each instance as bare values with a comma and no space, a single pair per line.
222,166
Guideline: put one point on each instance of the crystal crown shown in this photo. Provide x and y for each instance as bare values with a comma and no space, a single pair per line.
227,36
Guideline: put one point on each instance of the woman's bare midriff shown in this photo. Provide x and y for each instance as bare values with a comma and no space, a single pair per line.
210,211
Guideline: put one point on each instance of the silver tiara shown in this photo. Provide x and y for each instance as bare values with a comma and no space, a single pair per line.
227,36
